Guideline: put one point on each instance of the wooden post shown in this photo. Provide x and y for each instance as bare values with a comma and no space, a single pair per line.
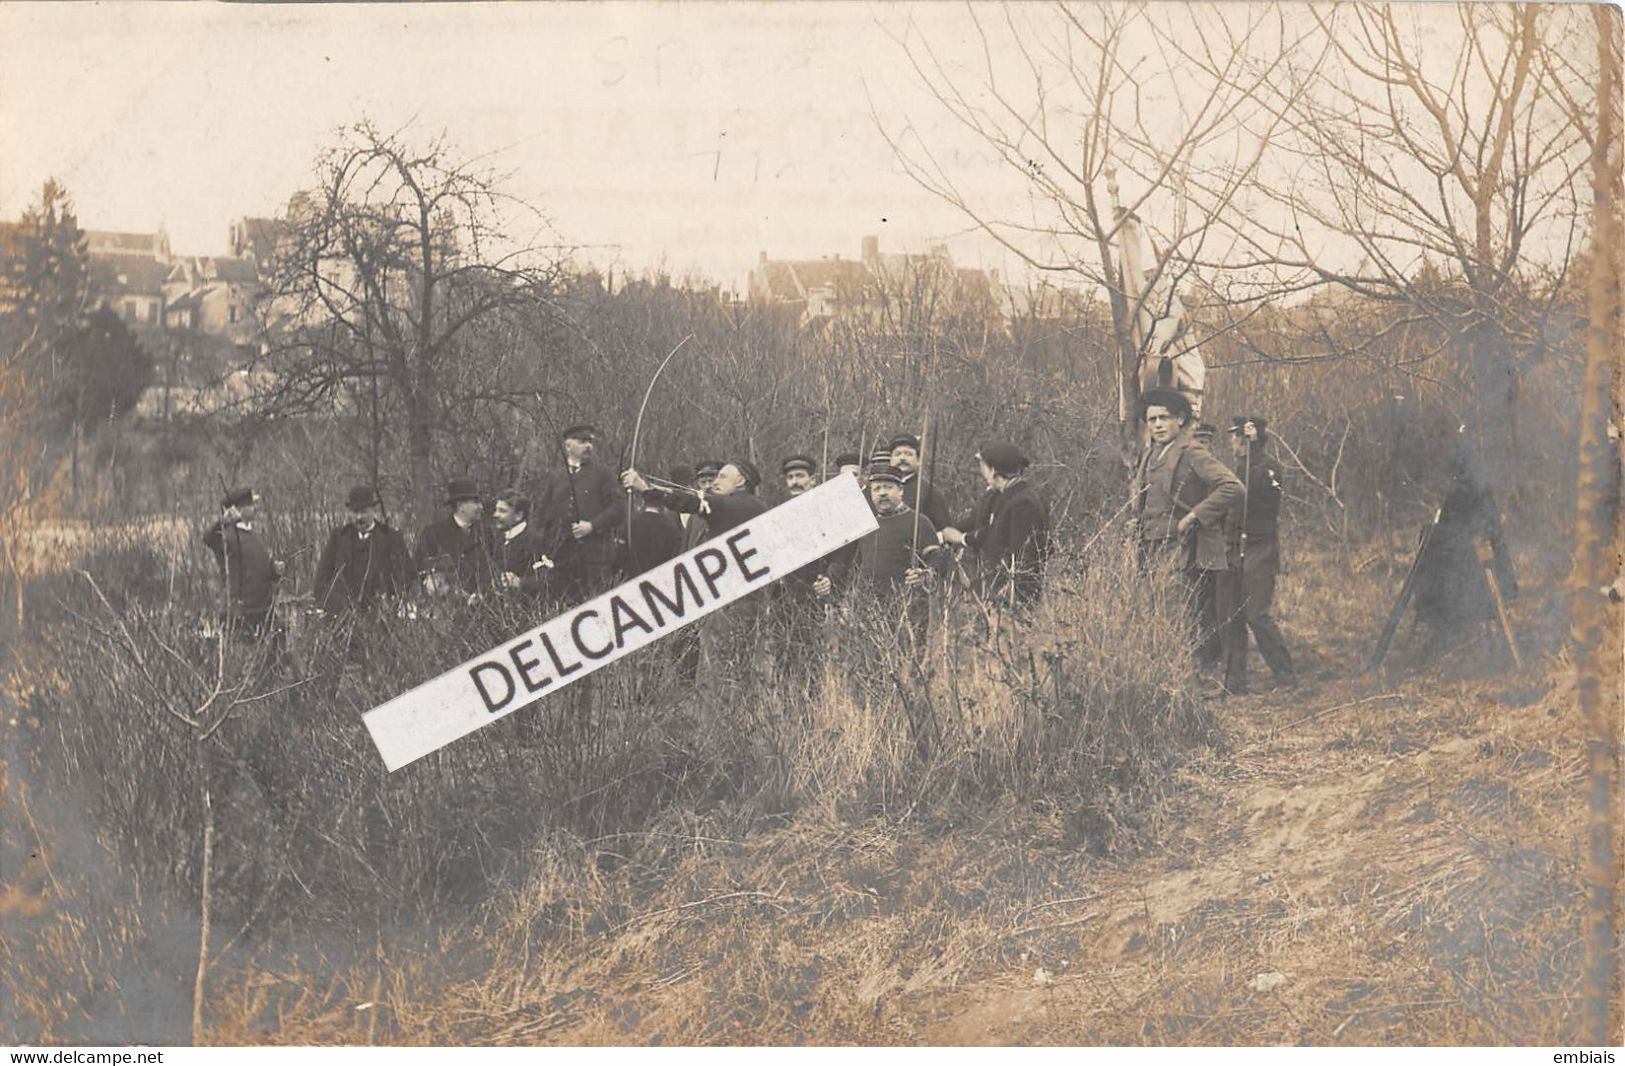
1595,617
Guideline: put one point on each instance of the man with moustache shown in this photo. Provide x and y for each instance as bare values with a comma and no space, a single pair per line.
577,508
917,494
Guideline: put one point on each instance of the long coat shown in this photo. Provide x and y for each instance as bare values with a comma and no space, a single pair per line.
521,555
1011,541
246,562
356,571
1183,478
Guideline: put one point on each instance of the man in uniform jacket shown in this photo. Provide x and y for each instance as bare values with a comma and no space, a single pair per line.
1259,551
1008,530
250,573
365,559
917,494
899,558
1183,499
522,565
577,509
454,554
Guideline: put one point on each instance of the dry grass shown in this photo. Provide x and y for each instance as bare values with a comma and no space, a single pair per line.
886,853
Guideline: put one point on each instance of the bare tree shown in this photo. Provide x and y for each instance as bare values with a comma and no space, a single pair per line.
387,270
1075,100
1424,159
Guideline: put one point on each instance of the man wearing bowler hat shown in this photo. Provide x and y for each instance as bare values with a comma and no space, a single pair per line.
577,507
454,553
364,565
365,560
1008,532
1183,500
1258,548
250,573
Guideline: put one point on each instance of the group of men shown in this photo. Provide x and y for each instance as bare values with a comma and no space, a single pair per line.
570,534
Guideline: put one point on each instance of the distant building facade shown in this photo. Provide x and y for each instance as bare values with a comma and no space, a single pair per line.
890,292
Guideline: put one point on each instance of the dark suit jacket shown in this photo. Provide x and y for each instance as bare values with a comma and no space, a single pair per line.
355,572
1011,542
561,499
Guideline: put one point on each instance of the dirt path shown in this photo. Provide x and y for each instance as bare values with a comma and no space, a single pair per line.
1397,867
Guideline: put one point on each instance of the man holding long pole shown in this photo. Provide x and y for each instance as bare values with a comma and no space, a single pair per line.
1259,554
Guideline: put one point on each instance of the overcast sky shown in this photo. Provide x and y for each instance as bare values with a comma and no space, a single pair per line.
694,134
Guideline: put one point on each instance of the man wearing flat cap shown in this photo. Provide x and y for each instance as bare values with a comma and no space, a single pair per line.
1259,550
1008,532
578,508
250,573
699,479
917,494
454,554
1183,500
896,554
800,473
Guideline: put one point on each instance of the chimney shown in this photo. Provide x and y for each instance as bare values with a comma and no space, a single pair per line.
871,252
761,259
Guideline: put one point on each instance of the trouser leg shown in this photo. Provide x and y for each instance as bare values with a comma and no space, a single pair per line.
1231,628
1260,582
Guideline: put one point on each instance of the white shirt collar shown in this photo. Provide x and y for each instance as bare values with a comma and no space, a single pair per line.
513,531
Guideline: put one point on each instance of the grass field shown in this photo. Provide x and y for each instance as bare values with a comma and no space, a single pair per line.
1061,847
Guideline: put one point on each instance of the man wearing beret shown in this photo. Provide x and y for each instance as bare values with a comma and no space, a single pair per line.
454,554
1183,499
251,574
917,494
1008,531
1259,550
577,509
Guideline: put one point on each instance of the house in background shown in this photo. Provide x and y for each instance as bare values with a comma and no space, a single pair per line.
894,293
212,295
131,284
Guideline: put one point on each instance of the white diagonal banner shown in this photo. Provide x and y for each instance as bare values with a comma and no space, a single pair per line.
639,612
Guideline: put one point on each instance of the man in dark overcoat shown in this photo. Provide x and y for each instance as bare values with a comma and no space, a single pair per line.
1007,532
251,574
578,507
1259,549
454,554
